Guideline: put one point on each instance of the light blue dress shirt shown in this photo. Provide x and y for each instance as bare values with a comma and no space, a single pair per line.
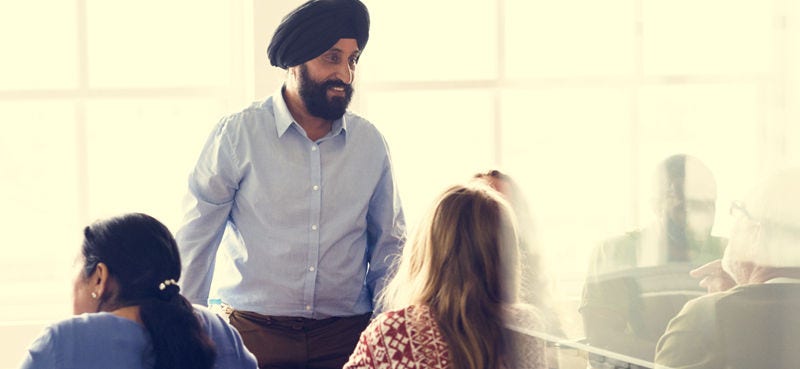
104,340
312,227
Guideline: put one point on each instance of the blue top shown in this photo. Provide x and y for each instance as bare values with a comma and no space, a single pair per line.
311,226
104,340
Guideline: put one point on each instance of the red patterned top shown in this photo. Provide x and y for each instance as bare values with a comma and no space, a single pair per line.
410,339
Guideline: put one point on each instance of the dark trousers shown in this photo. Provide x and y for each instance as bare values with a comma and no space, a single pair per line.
295,343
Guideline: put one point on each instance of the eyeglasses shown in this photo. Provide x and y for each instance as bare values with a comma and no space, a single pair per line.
738,207
699,206
774,226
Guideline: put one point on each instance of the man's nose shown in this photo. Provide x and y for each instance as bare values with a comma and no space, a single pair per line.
346,73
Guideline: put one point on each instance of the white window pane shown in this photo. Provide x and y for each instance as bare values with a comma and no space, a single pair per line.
707,37
141,152
158,43
445,139
569,149
40,49
418,40
722,125
39,192
793,144
793,86
567,38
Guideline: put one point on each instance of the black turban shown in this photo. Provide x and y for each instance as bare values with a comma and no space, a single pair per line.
315,27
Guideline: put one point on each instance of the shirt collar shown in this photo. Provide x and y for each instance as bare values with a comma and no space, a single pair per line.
284,119
783,280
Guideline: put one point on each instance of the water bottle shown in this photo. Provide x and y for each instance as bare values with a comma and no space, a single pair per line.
215,305
220,308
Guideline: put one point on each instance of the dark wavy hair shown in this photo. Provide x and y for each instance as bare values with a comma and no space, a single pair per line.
141,254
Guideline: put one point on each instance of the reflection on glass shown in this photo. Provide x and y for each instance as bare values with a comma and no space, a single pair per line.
638,281
751,320
570,150
536,283
724,124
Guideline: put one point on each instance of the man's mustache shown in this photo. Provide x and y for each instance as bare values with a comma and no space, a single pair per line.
338,83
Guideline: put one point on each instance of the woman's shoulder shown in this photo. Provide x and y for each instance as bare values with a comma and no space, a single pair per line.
89,340
231,352
96,330
408,335
215,326
205,314
95,323
523,316
411,313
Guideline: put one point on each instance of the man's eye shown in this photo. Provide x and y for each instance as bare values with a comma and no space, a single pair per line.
333,58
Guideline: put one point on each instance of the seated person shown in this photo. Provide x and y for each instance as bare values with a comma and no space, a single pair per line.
751,319
536,288
132,315
625,269
454,292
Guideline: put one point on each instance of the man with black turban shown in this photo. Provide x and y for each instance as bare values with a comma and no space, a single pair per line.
301,194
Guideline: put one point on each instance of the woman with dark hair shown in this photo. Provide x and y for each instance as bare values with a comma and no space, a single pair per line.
132,315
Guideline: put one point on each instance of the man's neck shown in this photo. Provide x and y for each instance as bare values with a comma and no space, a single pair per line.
315,127
761,274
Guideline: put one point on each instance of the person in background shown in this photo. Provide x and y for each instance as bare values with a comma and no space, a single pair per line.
130,313
300,192
684,203
535,287
616,316
454,293
750,317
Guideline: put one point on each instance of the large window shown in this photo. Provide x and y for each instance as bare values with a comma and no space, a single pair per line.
579,101
105,106
107,103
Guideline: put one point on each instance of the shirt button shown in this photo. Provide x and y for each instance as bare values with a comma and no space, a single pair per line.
308,307
314,227
315,187
311,269
314,148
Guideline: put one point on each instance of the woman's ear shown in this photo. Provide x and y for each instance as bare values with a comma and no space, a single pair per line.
99,281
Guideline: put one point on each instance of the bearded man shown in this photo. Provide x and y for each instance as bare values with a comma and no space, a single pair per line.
300,193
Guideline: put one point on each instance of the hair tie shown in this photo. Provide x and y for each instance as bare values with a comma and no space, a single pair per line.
168,289
166,283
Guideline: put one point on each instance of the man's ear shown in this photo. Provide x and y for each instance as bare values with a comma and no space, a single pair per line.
293,72
754,234
99,280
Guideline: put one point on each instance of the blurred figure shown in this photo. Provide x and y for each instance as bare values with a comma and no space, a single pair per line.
754,324
132,315
638,281
684,203
455,292
535,286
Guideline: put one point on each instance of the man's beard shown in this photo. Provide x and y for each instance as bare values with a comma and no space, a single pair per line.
315,96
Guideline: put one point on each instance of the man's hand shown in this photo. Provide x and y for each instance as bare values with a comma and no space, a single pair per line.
713,278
